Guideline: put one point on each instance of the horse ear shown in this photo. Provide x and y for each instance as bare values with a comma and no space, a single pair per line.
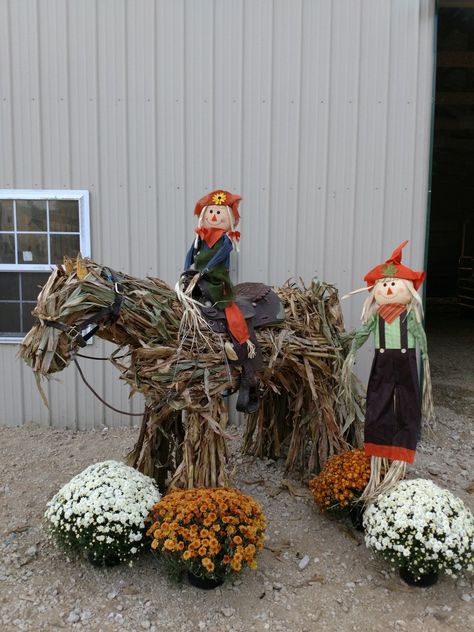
81,268
68,265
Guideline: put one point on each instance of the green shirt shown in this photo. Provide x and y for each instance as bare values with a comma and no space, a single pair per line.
416,334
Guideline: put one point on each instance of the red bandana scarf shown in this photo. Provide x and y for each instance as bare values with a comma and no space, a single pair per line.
391,311
210,235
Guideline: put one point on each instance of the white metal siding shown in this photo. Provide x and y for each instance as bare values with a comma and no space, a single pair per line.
316,111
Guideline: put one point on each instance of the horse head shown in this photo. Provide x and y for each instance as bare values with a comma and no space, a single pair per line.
82,299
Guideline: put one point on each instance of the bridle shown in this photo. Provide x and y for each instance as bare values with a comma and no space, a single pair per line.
75,332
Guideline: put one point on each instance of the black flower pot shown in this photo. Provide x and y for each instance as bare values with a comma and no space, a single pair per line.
205,583
356,513
109,560
428,579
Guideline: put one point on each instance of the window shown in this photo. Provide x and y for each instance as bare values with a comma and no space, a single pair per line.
37,229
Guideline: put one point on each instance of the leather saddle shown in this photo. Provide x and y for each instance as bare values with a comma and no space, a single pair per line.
258,303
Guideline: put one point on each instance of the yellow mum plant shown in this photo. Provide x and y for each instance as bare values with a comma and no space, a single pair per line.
342,480
211,533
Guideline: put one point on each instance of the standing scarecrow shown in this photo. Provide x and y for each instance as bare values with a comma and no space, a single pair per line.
209,255
393,313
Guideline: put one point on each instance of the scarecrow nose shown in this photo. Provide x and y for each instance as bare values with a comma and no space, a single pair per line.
389,291
213,218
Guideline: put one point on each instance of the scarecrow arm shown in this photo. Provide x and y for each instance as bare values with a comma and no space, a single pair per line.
221,255
427,404
419,334
190,257
346,377
362,334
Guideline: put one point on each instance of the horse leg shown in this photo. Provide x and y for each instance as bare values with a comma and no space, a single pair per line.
204,448
153,452
134,455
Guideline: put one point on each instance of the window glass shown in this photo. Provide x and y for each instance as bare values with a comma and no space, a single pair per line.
6,215
7,248
28,320
31,215
9,286
18,295
32,248
10,322
62,245
35,235
64,216
31,284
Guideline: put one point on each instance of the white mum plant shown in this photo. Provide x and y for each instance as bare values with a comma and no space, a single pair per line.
102,512
422,528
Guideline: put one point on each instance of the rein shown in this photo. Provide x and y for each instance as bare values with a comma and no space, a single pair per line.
122,412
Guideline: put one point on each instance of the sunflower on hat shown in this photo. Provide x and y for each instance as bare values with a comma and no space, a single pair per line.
219,198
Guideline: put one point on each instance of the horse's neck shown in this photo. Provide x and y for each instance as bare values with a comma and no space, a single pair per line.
150,314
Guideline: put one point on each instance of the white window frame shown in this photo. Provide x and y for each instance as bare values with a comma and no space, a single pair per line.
84,229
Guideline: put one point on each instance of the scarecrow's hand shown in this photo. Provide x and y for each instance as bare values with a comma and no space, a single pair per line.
186,279
189,279
187,275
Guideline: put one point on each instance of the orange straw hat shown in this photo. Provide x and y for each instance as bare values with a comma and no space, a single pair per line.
393,268
220,197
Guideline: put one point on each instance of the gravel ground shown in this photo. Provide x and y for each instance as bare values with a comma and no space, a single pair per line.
314,573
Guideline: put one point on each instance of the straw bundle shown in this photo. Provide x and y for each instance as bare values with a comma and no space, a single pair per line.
302,414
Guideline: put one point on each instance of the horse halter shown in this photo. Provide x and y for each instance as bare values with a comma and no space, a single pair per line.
74,332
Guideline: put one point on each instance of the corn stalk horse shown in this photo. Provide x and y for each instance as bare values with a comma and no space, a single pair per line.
302,414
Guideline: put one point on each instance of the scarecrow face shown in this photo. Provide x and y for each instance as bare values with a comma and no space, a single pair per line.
391,290
216,216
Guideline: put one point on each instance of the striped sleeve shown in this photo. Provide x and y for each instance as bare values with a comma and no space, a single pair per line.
418,333
363,333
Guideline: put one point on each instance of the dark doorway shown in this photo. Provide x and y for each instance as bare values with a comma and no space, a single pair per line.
450,278
451,236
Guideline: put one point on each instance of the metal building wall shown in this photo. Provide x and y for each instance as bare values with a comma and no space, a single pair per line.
317,111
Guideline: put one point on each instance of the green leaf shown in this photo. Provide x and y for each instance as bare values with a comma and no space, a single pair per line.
390,270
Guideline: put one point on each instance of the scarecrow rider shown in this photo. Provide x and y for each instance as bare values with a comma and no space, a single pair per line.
209,255
393,313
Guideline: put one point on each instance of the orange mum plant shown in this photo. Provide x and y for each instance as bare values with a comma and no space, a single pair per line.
342,480
211,533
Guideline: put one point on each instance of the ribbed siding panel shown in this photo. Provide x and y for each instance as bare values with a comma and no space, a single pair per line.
316,111
25,81
342,140
314,138
7,135
53,94
257,138
284,148
11,409
171,46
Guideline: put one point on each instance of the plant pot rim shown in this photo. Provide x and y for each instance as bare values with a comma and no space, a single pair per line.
206,583
112,560
425,580
356,514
